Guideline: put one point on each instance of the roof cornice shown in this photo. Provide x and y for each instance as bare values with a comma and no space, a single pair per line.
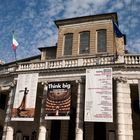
86,19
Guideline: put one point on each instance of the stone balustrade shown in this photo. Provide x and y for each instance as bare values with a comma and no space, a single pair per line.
31,66
132,59
7,69
66,63
72,62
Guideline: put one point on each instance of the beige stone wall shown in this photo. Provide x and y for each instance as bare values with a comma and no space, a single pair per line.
120,45
91,26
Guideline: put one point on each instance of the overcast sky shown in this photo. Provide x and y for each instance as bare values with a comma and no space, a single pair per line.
33,22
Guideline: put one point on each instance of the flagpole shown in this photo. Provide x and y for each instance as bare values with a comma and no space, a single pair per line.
15,55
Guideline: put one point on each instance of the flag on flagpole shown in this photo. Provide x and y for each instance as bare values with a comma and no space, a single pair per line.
117,30
14,43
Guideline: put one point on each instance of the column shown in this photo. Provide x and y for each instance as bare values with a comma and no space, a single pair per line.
124,111
79,110
42,133
42,128
9,133
8,130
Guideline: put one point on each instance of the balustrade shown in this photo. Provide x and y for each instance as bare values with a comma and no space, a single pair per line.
132,59
73,62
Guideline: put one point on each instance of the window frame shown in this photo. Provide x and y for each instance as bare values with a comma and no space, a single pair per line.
79,42
64,45
97,48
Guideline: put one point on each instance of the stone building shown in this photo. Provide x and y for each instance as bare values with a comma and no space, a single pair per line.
46,97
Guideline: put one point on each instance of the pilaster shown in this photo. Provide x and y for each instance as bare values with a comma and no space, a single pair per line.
42,128
8,130
79,110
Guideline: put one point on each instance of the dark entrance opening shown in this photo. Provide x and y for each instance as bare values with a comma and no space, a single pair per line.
71,133
1,132
135,111
55,129
99,131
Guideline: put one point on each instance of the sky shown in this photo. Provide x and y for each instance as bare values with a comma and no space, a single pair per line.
33,22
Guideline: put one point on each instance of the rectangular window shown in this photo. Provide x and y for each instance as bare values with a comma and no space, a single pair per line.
84,42
68,44
101,41
2,101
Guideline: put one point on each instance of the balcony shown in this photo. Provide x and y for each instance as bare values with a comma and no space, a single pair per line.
127,59
67,63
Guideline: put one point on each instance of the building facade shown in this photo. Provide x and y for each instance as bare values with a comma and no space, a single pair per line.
49,96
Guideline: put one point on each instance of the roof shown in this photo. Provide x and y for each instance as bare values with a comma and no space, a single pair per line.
86,19
23,60
49,47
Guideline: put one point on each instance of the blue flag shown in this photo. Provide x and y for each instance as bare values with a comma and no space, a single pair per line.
117,30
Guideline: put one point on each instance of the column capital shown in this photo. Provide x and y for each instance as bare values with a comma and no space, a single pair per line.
80,80
44,83
8,86
13,84
120,79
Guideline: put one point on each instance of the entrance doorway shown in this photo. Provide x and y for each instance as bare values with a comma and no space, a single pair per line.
1,132
55,129
99,131
135,111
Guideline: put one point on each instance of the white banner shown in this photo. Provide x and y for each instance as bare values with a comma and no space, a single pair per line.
98,96
25,97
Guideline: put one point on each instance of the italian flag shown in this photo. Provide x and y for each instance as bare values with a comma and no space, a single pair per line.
14,43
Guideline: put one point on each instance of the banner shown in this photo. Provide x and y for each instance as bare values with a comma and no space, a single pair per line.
98,96
25,97
58,101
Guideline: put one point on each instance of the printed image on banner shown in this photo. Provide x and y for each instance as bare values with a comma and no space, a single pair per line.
98,96
58,101
25,97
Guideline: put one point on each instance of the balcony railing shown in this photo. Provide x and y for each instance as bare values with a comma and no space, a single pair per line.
67,63
132,59
72,62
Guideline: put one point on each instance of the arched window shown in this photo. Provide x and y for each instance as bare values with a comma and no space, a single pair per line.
84,42
68,41
101,41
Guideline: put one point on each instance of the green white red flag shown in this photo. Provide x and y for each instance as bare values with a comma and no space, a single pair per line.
14,43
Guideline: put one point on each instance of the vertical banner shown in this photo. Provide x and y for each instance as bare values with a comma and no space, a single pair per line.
25,97
98,97
58,101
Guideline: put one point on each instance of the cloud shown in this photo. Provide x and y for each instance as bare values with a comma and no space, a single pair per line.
33,22
134,46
